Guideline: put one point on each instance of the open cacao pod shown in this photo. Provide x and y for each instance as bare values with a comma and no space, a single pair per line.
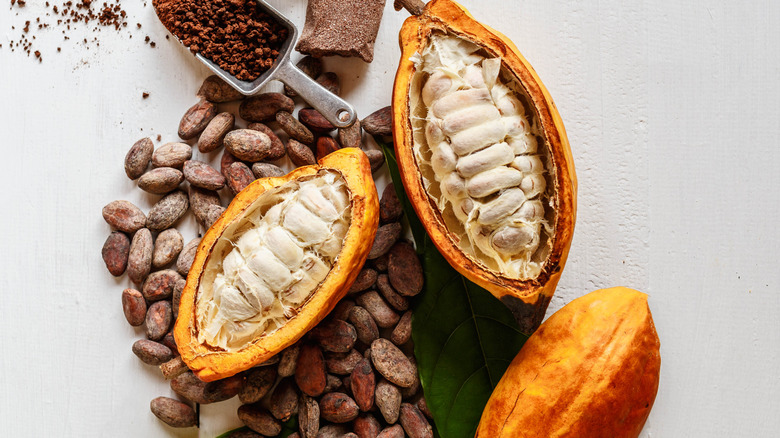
484,157
276,262
591,370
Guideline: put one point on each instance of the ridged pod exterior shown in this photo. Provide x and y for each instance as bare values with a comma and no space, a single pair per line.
210,363
591,370
527,299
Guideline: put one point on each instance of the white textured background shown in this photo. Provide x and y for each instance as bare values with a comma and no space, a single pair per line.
673,113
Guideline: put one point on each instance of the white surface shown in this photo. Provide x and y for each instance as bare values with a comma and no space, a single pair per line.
673,116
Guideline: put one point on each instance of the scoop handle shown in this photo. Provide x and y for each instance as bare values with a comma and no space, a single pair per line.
333,108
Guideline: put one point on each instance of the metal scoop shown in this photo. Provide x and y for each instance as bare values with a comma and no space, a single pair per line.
333,108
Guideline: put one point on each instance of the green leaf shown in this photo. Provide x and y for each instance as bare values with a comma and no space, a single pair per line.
464,338
288,428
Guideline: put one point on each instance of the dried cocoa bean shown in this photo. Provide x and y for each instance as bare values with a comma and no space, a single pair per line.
115,251
308,417
257,382
383,315
226,160
403,330
159,285
248,144
351,435
278,150
167,247
173,367
366,426
342,363
171,155
335,335
351,137
200,174
330,81
391,363
189,386
404,270
213,136
134,307
414,388
167,211
139,260
332,431
422,405
338,407
380,122
315,121
124,216
333,383
159,318
248,433
299,153
170,342
390,295
388,400
380,263
238,175
138,158
326,146
196,119
258,419
264,106
151,353
288,359
342,309
187,256
363,383
201,201
311,66
310,370
386,236
375,158
161,180
284,400
390,209
173,412
365,279
365,326
294,128
395,431
224,389
267,170
214,89
414,422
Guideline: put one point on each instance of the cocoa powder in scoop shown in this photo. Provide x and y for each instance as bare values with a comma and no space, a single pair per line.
234,34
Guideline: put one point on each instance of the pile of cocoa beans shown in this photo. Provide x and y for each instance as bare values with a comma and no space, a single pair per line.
353,375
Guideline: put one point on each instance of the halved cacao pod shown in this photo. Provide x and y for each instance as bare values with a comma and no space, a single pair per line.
484,157
276,262
591,370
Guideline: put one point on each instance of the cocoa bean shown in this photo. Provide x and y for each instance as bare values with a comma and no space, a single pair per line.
173,367
196,119
173,412
332,384
213,136
315,121
299,153
332,431
190,387
115,251
138,158
224,389
390,295
201,202
278,150
330,81
386,236
404,270
248,144
310,370
342,309
284,400
139,260
159,318
422,405
259,419
382,313
134,307
326,146
167,211
335,335
390,209
351,137
380,122
308,417
167,247
161,180
365,326
380,263
342,363
413,389
159,285
200,174
338,407
264,106
351,435
169,341
171,155
288,359
375,158
151,353
187,256
365,279
395,431
403,330
267,170
273,360
414,423
388,400
226,160
249,433
363,383
366,426
311,66
391,363
294,128
257,382
214,89
239,176
124,216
